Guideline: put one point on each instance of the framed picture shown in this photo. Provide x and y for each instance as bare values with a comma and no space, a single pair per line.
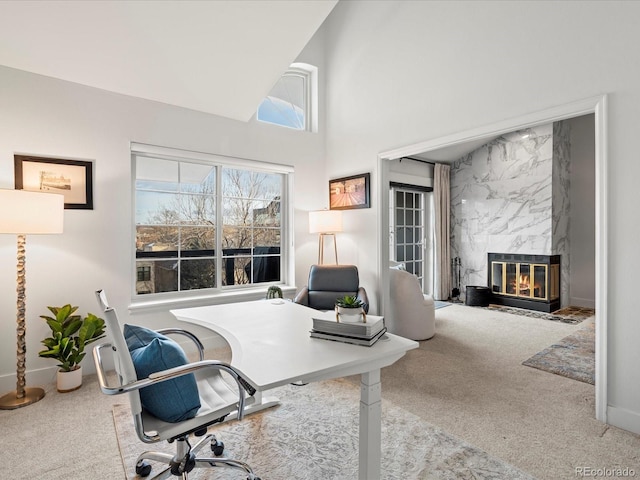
349,192
72,178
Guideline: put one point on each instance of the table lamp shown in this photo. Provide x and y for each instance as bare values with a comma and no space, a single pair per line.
325,222
21,213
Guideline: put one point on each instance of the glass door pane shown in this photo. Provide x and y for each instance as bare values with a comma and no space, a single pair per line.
511,280
524,280
408,214
540,281
497,282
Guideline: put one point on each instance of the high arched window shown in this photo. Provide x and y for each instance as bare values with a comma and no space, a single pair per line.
291,103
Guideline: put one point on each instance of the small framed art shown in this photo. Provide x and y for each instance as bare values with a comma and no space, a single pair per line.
349,192
71,178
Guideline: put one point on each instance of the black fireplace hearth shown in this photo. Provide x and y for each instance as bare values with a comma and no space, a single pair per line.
525,281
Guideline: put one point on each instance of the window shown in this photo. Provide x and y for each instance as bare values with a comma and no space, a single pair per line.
206,222
144,273
292,102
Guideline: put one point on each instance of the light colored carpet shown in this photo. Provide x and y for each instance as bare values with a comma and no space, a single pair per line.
313,434
469,380
66,436
572,357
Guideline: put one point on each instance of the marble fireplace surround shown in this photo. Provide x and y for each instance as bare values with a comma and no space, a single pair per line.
512,195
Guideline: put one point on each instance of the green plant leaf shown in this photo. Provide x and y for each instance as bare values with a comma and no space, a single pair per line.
54,324
53,352
349,301
71,326
66,344
62,313
49,342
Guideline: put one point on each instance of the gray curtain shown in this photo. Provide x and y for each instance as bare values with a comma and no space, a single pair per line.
442,202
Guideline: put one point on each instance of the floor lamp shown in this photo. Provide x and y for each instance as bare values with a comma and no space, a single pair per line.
325,222
22,213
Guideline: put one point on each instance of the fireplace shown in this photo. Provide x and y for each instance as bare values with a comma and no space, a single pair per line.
525,281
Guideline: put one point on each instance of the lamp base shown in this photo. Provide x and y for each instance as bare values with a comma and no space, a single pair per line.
10,401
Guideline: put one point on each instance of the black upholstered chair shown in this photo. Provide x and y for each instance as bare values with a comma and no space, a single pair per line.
329,282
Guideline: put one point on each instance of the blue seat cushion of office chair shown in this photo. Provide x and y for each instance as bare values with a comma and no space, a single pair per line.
171,401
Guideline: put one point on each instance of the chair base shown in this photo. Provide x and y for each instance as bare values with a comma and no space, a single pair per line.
186,459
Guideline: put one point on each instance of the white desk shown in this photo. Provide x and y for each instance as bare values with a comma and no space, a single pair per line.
271,346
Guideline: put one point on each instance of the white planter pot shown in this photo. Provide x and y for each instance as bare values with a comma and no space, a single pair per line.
69,381
351,315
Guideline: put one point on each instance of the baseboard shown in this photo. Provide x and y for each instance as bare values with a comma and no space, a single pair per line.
623,418
34,378
47,375
582,302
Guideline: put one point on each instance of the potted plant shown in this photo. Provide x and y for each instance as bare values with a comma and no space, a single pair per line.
350,308
70,335
274,292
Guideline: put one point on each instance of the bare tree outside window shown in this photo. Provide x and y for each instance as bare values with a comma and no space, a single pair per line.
177,229
251,200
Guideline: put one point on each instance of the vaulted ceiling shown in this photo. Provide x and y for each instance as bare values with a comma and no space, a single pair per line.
220,57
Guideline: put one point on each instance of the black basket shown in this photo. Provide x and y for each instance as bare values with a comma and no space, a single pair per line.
478,296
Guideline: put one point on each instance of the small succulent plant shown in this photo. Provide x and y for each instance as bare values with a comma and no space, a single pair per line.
349,301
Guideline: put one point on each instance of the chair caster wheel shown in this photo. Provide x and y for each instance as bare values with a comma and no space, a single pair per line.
217,447
143,468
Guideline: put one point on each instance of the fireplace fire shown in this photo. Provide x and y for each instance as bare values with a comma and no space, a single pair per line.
525,281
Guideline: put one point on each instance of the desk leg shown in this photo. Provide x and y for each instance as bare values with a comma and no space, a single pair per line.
261,403
370,426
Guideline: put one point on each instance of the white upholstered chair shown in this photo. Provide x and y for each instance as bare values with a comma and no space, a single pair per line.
411,313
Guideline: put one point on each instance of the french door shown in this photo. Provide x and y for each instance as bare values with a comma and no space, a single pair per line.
411,231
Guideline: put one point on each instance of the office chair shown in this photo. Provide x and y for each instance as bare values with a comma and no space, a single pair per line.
329,282
212,398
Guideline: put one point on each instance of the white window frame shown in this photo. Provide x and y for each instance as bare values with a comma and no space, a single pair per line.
310,75
162,301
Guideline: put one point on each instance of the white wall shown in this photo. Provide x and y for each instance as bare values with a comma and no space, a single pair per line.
411,173
400,73
48,117
582,229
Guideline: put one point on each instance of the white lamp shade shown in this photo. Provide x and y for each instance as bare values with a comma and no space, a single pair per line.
24,212
325,221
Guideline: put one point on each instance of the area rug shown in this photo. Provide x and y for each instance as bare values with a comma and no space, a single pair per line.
571,315
572,357
313,434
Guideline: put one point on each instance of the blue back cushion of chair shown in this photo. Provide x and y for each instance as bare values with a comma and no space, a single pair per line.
173,400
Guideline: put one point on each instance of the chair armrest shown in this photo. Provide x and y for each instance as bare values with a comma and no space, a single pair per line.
243,384
186,333
362,296
302,297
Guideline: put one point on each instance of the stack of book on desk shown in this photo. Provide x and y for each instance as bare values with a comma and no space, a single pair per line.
326,327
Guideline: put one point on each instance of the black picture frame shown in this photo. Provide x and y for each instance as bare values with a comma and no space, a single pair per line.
350,192
71,178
